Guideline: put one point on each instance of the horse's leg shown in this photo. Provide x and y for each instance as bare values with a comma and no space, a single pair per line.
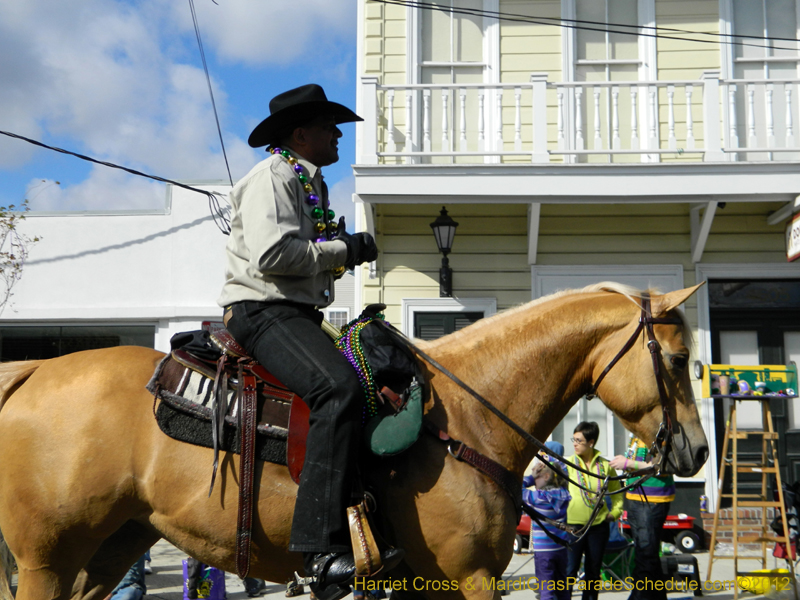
112,560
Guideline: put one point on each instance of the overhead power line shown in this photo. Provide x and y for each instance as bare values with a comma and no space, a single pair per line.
634,30
214,205
210,91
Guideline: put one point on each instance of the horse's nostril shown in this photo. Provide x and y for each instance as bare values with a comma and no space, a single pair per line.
701,456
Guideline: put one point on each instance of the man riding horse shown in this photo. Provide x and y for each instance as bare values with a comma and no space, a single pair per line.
283,255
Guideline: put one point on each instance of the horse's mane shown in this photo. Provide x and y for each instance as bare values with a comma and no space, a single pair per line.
630,292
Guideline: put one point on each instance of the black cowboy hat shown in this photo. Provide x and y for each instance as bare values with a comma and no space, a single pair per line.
295,108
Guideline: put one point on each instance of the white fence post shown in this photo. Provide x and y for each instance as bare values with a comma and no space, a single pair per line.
711,121
539,118
369,144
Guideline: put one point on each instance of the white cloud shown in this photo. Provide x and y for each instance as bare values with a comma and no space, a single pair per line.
104,189
119,81
256,32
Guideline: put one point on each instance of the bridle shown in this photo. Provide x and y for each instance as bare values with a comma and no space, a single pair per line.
646,321
660,446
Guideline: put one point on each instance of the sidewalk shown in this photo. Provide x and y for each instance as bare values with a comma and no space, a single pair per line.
166,581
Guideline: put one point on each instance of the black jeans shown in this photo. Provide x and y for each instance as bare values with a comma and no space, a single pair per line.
287,340
647,520
591,548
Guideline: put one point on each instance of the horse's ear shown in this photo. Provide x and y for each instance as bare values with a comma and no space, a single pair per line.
667,302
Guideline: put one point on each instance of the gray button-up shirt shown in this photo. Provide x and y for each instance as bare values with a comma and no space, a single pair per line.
271,252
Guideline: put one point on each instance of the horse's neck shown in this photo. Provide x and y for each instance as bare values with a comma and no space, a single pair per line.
532,363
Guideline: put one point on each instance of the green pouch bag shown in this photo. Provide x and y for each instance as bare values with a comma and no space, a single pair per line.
390,434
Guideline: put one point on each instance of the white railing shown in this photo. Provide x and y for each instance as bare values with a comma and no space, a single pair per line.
704,120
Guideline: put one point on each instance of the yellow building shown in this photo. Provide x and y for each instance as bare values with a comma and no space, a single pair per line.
577,141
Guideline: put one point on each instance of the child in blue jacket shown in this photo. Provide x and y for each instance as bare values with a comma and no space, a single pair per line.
550,500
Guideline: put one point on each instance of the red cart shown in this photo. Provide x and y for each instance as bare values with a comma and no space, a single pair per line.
680,527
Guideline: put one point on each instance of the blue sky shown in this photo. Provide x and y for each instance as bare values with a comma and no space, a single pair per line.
122,81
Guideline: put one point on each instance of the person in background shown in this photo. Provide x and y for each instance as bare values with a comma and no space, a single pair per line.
550,499
132,586
647,506
254,587
584,498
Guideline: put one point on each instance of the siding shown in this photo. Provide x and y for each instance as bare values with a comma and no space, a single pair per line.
685,60
527,48
489,257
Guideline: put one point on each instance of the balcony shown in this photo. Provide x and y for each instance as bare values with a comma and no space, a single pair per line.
709,120
712,137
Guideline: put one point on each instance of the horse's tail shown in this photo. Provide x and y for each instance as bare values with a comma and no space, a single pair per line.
13,375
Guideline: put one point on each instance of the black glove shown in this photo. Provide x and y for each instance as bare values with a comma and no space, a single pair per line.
361,247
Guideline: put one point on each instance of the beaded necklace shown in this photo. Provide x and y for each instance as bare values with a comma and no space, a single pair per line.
349,344
324,215
324,225
585,494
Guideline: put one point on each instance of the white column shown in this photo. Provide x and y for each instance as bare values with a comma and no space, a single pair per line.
499,129
615,141
562,143
409,132
733,134
369,146
752,140
598,140
671,141
539,118
481,121
445,125
578,119
711,122
652,138
634,118
517,119
426,120
789,123
770,116
689,118
392,147
462,144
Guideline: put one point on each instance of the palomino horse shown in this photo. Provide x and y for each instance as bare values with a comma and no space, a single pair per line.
88,482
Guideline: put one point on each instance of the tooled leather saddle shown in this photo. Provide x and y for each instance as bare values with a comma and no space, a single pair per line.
240,398
213,394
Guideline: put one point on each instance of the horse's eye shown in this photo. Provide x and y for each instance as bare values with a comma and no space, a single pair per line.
679,361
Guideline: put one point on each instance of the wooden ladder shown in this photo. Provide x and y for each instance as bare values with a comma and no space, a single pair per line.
768,465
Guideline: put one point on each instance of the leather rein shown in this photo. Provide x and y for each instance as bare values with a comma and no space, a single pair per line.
507,480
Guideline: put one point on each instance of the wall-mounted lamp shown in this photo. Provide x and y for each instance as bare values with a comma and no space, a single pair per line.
444,230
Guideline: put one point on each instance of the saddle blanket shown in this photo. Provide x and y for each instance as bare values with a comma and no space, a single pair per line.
185,388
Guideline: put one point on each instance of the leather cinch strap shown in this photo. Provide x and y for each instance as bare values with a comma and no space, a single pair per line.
247,429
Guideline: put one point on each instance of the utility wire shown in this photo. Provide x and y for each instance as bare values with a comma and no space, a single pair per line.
214,204
210,92
604,27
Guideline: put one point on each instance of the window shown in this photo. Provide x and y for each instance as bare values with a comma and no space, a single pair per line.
605,116
436,326
433,325
39,342
765,114
602,55
338,316
451,51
